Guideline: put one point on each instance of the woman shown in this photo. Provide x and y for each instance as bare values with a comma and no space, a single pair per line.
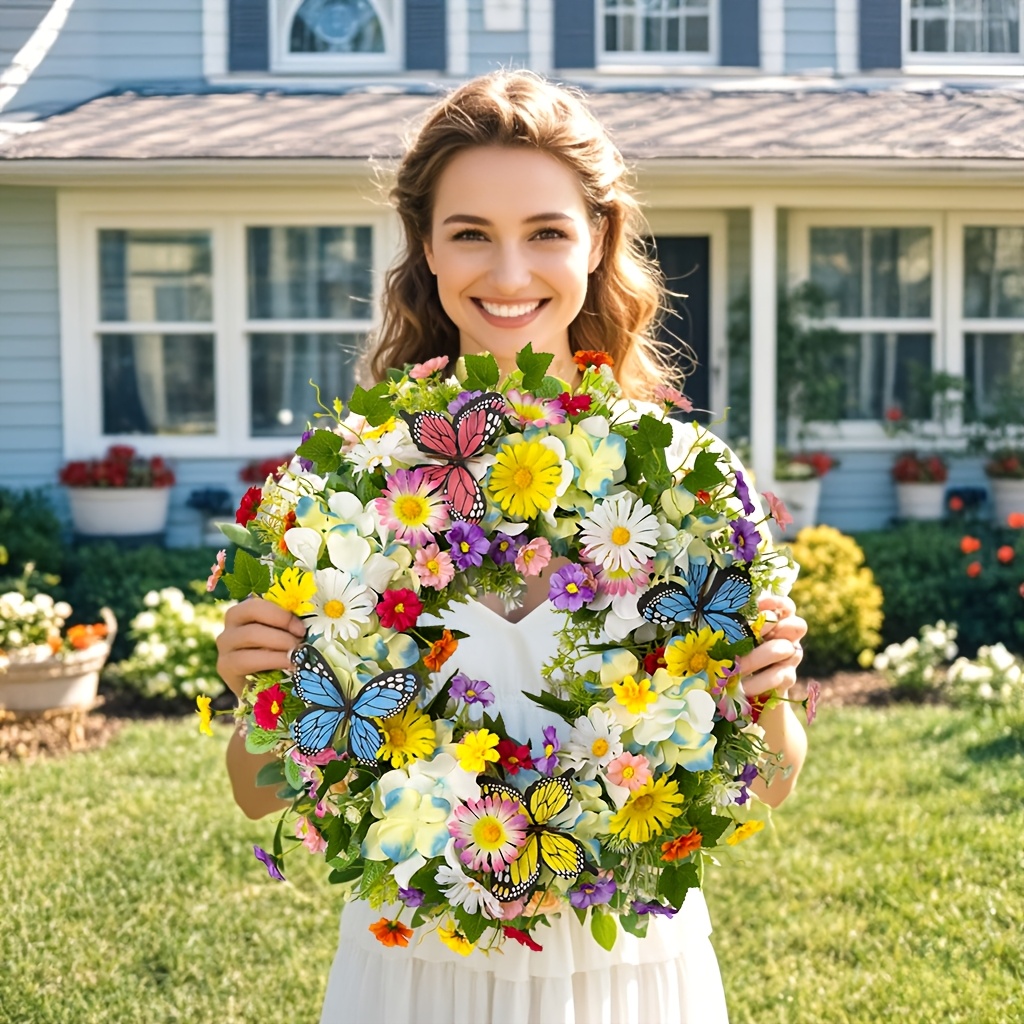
520,228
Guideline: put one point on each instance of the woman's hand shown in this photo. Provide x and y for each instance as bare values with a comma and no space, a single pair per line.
772,664
258,636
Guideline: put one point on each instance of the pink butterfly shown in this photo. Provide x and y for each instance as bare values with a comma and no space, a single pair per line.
464,437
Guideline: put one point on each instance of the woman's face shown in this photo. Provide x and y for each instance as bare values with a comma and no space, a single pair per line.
512,245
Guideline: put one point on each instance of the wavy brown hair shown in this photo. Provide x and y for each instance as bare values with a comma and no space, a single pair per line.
520,109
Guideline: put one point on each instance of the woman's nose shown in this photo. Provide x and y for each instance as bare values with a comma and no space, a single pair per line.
511,270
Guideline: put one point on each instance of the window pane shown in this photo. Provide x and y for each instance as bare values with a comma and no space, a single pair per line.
901,272
883,371
697,35
994,272
281,367
990,361
837,268
935,37
299,273
158,384
336,26
155,276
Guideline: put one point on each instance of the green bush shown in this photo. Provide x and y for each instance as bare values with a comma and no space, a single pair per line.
923,574
30,531
837,596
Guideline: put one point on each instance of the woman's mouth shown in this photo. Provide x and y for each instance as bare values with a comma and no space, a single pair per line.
510,314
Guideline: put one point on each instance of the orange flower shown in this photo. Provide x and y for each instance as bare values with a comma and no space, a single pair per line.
1005,554
588,357
968,545
974,569
54,642
1015,520
683,846
81,637
440,651
391,933
287,523
956,503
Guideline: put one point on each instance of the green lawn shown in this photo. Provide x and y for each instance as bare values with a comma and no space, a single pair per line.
892,888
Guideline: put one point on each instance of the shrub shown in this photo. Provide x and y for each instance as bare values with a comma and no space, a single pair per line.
31,532
994,679
912,667
837,596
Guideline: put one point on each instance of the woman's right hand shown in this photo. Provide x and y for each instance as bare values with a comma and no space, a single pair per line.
258,636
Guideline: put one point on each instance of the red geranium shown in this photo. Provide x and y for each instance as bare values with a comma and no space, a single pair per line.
654,661
399,609
514,757
1015,520
820,462
969,544
1005,554
120,467
257,471
574,406
974,569
911,468
523,938
248,505
268,707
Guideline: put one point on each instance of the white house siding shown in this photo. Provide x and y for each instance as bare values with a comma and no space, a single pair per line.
18,20
810,35
491,50
107,44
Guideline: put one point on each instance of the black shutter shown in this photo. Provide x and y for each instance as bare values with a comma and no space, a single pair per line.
426,36
249,35
575,33
881,25
740,34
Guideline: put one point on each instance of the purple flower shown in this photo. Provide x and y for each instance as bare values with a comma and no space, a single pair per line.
743,493
653,907
411,897
469,545
592,894
306,464
503,549
267,859
547,762
472,691
461,399
745,539
571,588
746,776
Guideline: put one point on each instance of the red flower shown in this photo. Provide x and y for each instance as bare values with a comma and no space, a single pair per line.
286,525
1005,554
399,609
654,661
757,705
248,505
573,406
513,757
257,471
1015,520
820,462
974,570
969,544
268,707
589,357
523,938
894,415
704,498
956,503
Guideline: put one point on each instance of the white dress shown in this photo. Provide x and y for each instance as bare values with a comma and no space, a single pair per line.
669,977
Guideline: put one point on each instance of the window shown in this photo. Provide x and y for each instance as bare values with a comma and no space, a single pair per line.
337,36
983,31
658,31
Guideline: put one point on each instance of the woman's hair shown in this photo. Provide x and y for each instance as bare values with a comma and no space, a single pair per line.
520,109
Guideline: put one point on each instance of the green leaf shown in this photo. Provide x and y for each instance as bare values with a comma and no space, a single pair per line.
705,475
278,845
248,576
471,925
270,774
482,372
676,881
333,771
534,365
603,928
323,450
635,924
337,832
565,708
261,741
645,451
710,826
373,872
434,633
374,405
292,774
349,874
240,536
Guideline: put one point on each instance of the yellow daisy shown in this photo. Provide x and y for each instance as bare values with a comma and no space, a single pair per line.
689,655
648,812
745,831
525,479
476,749
292,590
454,939
408,736
205,715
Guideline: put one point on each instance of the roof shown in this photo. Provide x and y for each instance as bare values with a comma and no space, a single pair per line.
682,124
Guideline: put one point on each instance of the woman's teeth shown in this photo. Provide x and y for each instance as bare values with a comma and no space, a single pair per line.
509,311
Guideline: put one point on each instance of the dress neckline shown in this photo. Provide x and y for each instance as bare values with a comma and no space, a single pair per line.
546,603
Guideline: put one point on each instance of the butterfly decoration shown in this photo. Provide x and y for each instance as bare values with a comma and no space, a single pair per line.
545,846
457,440
329,707
705,598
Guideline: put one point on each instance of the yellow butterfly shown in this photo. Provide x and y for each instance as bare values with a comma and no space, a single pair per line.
545,846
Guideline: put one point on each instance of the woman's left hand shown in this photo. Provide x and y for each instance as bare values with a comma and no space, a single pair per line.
772,664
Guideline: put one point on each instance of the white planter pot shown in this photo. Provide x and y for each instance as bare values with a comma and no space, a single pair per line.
119,511
1007,497
70,682
921,500
801,498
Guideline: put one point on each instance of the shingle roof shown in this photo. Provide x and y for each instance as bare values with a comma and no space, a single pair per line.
701,124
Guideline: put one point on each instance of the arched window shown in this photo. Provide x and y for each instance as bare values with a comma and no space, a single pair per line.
336,26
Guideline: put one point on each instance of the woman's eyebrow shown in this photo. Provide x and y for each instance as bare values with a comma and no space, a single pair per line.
468,218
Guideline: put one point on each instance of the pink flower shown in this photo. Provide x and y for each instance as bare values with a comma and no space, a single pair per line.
629,770
434,567
779,512
410,509
529,411
511,910
216,571
533,557
310,836
423,370
813,692
670,396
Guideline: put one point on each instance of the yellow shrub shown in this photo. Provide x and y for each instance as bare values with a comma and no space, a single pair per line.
838,597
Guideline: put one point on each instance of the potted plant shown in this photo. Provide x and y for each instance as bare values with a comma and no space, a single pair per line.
920,485
257,471
798,483
42,664
995,430
120,495
1005,472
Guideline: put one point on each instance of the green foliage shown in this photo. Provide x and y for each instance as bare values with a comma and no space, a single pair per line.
31,532
248,576
837,596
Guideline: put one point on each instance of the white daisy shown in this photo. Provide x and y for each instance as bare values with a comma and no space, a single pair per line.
620,534
391,448
342,606
463,891
593,742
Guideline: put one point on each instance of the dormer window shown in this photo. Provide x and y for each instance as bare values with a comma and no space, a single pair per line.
337,36
658,31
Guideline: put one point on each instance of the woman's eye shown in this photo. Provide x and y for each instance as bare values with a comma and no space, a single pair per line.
550,233
468,234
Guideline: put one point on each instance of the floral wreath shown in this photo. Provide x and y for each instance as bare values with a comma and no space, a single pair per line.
434,489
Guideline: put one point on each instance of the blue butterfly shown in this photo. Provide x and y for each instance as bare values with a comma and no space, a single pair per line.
705,599
318,686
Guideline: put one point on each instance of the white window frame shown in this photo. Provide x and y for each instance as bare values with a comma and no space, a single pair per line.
624,60
226,215
961,63
282,61
870,433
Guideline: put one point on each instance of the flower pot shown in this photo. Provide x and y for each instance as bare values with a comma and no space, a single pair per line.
921,500
68,682
1007,497
119,511
801,498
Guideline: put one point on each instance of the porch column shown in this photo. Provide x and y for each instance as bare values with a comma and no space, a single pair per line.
762,342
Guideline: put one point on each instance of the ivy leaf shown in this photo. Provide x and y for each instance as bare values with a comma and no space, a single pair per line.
603,928
471,925
710,826
534,366
292,775
675,881
482,372
645,452
374,405
705,475
261,741
270,774
248,576
323,449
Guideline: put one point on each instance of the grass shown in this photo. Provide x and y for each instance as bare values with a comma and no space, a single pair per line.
890,888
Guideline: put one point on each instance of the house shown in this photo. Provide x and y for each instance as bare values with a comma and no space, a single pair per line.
190,227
